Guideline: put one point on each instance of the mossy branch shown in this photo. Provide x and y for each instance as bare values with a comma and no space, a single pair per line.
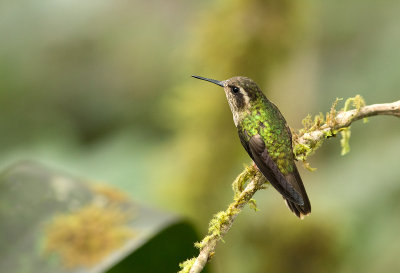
311,137
305,142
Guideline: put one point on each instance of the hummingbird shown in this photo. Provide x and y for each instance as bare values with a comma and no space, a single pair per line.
267,139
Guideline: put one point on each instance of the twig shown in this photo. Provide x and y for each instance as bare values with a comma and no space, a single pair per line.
308,141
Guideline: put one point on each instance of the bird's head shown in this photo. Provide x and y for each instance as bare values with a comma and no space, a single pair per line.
242,93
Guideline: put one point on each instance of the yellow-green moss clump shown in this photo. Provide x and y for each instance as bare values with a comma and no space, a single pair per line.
187,265
328,126
357,102
86,236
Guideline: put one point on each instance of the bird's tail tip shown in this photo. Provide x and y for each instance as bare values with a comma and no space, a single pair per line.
299,211
302,216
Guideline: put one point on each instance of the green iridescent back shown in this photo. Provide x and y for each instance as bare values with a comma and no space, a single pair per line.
266,120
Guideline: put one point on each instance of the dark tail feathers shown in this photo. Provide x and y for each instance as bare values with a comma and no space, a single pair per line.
300,211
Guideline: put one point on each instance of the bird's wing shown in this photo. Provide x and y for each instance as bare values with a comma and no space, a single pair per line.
243,136
270,170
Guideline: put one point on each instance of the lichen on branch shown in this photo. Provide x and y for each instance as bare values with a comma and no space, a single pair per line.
316,130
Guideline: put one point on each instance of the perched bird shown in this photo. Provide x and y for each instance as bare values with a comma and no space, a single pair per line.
265,135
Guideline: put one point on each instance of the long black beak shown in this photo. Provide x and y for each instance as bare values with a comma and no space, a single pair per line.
209,80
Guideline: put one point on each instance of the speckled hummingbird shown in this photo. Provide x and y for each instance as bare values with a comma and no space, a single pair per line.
265,135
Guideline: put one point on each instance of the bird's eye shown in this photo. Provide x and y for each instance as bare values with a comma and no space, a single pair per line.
235,89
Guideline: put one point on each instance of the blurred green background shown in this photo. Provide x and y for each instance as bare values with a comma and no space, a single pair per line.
102,89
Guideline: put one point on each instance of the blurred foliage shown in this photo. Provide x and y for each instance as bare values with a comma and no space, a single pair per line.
75,236
52,222
104,89
164,243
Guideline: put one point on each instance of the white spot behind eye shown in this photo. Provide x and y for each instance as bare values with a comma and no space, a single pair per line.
245,96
